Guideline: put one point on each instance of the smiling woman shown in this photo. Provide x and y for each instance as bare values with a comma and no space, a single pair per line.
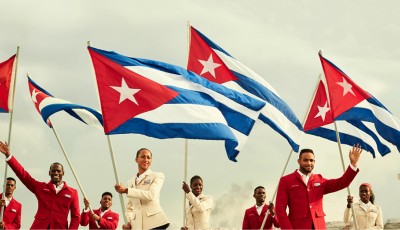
199,205
143,210
368,215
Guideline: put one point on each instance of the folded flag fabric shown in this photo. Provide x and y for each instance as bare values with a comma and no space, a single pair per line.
161,100
215,64
319,122
47,105
351,103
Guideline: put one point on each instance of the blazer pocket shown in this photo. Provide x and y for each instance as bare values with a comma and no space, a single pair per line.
319,213
153,211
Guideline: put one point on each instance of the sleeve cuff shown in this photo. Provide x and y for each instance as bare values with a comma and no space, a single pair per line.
9,157
354,168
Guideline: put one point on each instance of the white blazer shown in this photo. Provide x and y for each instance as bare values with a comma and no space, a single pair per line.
143,208
198,211
370,219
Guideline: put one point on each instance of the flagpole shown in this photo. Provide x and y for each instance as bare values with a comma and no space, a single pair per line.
185,167
340,151
13,83
185,179
121,199
287,161
70,165
344,169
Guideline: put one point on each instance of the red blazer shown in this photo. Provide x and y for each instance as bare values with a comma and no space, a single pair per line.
305,201
108,221
12,214
53,209
252,220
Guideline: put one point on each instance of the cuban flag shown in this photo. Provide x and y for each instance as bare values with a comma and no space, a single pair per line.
47,105
319,122
351,103
161,100
215,64
6,69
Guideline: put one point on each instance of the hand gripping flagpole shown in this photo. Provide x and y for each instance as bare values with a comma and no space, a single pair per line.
110,147
287,162
13,83
72,168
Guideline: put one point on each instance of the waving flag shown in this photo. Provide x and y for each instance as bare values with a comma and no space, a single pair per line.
351,103
165,101
6,69
47,105
319,122
215,64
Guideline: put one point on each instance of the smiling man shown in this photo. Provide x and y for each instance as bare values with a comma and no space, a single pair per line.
12,210
302,192
55,198
105,218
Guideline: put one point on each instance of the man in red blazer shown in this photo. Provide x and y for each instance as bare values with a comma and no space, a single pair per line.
105,218
12,210
254,216
55,198
303,191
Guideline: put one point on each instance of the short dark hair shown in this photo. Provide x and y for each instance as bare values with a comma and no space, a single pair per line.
106,193
195,178
258,188
305,151
141,149
11,178
57,163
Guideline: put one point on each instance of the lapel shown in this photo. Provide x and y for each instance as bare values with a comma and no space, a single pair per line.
51,187
146,174
298,177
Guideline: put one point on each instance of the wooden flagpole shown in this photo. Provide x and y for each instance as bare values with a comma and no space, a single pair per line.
121,198
72,168
185,167
117,180
13,83
287,161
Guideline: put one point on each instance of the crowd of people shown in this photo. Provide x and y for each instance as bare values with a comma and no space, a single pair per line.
299,201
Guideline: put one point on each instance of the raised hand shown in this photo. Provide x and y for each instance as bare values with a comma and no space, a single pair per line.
354,154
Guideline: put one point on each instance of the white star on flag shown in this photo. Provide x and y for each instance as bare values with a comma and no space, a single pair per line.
34,94
322,111
209,66
346,87
126,92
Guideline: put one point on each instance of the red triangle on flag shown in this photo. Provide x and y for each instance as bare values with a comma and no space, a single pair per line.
319,113
125,94
205,62
344,94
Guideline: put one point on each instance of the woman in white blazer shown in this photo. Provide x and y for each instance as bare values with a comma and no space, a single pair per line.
199,206
368,215
143,210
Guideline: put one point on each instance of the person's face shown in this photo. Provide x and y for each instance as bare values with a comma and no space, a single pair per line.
306,162
56,173
365,194
260,195
197,187
10,187
106,202
144,159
